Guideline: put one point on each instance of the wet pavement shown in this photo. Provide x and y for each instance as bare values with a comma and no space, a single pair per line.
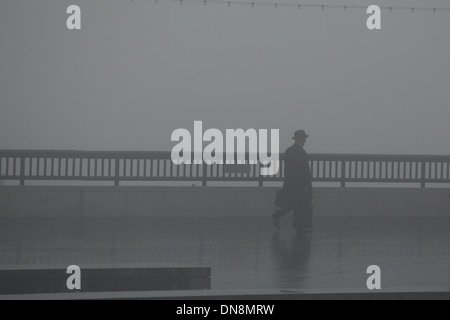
244,253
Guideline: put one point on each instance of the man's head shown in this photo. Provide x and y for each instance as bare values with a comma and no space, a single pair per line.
300,137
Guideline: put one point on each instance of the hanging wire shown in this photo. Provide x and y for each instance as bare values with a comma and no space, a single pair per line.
343,7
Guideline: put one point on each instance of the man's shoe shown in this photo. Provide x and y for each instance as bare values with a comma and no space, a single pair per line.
309,229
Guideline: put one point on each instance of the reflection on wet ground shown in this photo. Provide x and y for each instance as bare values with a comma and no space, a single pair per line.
244,253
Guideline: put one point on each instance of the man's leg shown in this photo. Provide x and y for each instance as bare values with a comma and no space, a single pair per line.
308,219
303,213
276,217
299,221
309,213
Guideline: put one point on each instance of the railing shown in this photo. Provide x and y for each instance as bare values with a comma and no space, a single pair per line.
118,166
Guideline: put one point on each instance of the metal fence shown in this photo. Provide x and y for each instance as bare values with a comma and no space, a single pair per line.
117,166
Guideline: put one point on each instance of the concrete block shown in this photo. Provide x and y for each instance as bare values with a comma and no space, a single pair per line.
105,279
65,204
254,204
28,203
182,203
415,204
145,204
355,204
214,202
104,203
218,204
326,204
443,204
388,204
427,204
4,203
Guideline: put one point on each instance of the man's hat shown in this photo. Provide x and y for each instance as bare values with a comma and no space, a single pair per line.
300,134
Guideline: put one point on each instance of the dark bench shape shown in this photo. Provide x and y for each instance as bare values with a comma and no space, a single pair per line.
29,281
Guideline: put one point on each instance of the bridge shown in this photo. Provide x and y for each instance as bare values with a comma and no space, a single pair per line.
120,166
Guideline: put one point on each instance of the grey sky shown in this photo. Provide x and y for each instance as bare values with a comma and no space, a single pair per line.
139,70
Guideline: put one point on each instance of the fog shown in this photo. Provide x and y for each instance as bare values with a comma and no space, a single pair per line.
137,70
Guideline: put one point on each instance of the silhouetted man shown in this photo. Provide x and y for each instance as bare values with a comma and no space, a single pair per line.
297,188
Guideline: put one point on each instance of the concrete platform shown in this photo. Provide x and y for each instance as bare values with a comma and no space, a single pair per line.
46,280
245,253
